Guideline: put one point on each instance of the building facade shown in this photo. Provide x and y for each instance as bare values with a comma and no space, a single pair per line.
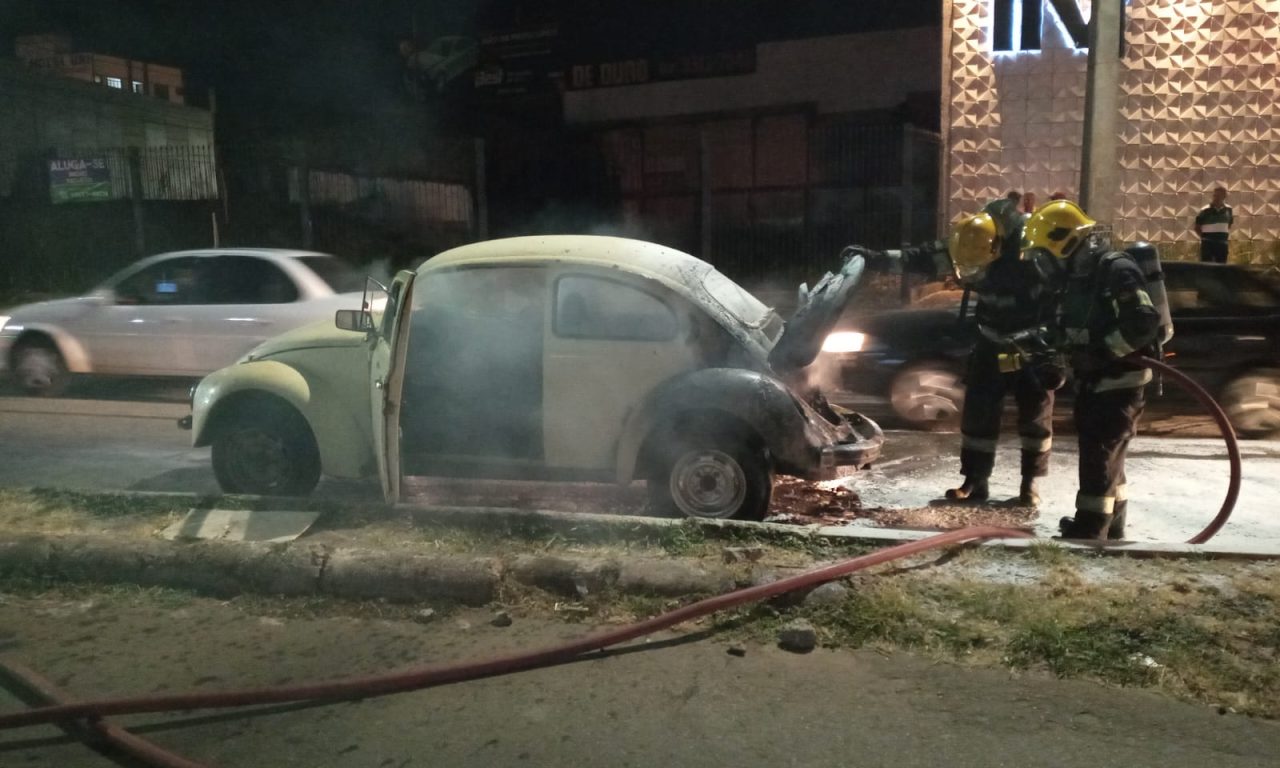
1198,108
765,157
55,55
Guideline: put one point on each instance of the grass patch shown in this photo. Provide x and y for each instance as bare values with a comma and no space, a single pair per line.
1194,643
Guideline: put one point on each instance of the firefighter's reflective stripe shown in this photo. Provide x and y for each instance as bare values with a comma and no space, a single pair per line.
1216,228
982,444
997,300
1127,380
1117,344
1102,504
1037,444
1122,492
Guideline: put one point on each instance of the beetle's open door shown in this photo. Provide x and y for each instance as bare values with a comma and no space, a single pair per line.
386,380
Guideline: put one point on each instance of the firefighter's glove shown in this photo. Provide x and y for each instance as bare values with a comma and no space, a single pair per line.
877,261
1051,374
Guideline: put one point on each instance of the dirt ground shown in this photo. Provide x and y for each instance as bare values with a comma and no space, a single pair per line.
681,699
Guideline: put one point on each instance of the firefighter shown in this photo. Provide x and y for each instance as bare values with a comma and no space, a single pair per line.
1106,315
984,254
1011,297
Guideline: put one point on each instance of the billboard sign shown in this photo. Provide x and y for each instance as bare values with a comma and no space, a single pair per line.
73,180
518,62
661,67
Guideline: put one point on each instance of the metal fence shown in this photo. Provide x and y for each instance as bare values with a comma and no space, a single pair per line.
773,196
157,173
145,200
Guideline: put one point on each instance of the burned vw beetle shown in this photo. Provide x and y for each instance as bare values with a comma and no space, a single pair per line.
570,358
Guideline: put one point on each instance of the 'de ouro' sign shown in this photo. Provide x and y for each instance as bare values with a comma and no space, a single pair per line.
77,179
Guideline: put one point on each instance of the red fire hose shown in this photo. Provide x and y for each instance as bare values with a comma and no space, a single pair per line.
427,677
1228,436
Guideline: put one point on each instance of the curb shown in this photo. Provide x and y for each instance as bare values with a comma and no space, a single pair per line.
553,520
226,569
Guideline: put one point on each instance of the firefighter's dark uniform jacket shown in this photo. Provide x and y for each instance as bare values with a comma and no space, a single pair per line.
1106,315
1011,297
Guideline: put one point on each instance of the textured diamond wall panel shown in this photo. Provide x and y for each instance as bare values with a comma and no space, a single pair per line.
1199,106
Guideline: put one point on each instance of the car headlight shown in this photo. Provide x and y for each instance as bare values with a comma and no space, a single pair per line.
4,320
842,342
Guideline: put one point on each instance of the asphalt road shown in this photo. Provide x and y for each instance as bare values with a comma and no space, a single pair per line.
114,443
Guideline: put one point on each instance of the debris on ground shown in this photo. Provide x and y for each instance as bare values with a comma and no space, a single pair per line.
831,593
795,502
501,619
833,502
737,650
424,616
798,636
742,554
828,503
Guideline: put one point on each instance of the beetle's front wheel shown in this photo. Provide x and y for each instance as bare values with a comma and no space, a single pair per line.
267,451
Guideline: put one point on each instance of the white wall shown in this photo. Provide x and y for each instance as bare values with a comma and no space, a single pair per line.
1199,106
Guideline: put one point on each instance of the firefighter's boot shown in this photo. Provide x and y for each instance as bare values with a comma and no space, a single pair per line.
1085,526
1027,495
1116,531
972,489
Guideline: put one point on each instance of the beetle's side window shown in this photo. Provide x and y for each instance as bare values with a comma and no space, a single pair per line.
595,308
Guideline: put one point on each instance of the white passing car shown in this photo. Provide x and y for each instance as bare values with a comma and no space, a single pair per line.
176,314
554,358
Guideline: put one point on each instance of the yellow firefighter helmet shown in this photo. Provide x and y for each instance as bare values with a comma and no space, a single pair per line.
1057,227
974,244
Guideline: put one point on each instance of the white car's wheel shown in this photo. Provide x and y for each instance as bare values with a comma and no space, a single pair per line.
38,367
928,396
1252,402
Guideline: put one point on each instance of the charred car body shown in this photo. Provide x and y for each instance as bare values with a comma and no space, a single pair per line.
557,358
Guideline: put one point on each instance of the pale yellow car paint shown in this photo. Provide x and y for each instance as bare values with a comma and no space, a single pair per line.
328,385
323,364
591,385
676,270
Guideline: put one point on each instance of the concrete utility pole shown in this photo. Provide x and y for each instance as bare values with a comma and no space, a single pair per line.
1099,171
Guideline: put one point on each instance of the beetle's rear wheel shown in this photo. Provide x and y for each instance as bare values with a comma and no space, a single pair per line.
712,477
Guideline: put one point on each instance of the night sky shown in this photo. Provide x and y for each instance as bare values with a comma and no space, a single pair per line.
277,63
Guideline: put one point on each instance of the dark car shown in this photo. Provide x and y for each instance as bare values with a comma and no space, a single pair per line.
1227,337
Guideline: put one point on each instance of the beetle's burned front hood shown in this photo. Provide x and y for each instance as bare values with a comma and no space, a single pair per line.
817,314
319,335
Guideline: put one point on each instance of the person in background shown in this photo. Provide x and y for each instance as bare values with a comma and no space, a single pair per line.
1213,227
1058,196
1028,204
